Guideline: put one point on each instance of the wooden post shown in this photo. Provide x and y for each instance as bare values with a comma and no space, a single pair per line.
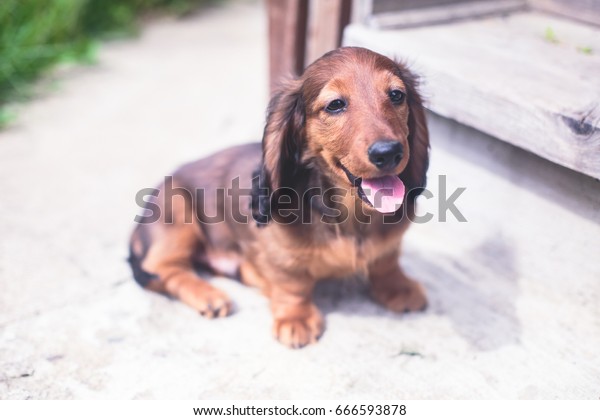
324,28
345,17
287,39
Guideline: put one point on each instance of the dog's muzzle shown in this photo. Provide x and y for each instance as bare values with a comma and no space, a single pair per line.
385,194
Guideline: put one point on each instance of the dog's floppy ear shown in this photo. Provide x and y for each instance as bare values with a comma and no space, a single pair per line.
282,146
284,135
415,174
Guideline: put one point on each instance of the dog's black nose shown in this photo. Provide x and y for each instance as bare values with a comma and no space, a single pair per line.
386,154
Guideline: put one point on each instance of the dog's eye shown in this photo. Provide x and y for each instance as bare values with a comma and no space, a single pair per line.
397,96
336,105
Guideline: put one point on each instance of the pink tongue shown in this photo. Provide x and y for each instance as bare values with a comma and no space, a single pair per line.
385,194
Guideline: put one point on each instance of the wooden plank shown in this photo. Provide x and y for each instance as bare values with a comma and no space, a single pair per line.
386,6
501,76
583,10
323,28
327,19
345,19
440,14
287,39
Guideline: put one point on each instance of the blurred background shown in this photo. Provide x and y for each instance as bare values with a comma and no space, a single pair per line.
101,98
36,35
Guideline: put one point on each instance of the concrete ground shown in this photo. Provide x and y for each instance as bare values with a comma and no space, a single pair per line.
514,292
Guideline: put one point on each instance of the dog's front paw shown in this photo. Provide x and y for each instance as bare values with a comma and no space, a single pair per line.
409,296
298,331
206,299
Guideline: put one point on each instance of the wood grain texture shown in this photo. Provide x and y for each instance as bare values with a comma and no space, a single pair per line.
323,28
287,38
406,17
384,6
503,77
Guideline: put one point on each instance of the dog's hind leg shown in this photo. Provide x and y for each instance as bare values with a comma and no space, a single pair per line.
166,266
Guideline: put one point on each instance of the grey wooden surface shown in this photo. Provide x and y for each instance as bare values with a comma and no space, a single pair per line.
409,15
508,77
583,10
382,6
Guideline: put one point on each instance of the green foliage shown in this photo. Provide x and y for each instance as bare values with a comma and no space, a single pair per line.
6,117
33,35
105,16
550,36
585,50
36,34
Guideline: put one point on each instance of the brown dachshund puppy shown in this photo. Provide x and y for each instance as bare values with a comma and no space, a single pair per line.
330,194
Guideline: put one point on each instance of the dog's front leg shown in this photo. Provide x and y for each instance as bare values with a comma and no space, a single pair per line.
392,288
297,320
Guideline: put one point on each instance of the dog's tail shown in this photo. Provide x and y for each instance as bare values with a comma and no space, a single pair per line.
139,237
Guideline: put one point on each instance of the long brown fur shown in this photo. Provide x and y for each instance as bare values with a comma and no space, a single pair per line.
287,250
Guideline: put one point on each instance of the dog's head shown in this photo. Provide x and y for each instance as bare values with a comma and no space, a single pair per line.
355,117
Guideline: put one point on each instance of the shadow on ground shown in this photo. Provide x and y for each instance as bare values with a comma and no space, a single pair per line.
481,309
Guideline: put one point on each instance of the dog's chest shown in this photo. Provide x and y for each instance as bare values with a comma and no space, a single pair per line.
342,257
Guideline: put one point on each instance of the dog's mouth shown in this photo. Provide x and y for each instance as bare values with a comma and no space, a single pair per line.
385,194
